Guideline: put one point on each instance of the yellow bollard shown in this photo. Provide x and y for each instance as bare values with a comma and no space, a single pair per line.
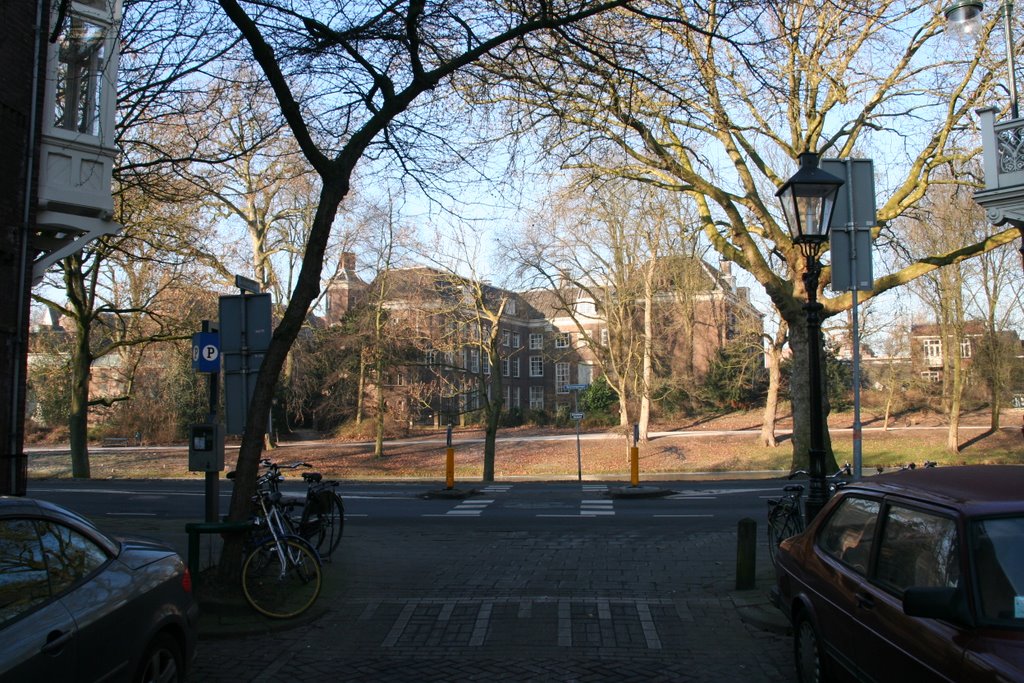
634,466
449,470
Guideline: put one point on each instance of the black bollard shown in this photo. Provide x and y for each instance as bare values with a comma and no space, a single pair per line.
746,553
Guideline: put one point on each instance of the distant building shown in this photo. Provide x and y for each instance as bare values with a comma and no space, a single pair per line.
547,337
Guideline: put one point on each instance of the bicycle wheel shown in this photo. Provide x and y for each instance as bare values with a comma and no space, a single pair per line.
281,584
332,524
323,521
783,522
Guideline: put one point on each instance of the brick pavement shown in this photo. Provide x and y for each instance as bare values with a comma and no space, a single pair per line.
458,602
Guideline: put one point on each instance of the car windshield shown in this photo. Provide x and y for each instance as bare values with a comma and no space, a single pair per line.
999,567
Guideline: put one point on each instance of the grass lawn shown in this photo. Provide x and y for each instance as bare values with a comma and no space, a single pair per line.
689,448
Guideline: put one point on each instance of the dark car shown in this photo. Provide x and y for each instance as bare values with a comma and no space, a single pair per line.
78,605
917,575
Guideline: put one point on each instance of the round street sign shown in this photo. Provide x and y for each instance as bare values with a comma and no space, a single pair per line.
210,353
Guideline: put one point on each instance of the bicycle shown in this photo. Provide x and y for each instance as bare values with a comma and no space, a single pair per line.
785,514
281,573
319,517
322,518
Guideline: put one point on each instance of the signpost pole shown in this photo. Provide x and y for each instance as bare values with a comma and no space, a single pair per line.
579,454
212,478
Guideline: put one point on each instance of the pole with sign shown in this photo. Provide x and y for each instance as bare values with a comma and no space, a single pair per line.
578,416
206,441
852,221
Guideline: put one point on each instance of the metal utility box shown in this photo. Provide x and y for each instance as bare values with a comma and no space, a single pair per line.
205,448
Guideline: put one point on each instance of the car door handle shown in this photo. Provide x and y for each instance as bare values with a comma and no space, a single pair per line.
864,601
55,642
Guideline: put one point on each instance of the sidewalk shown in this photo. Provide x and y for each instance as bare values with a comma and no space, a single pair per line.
453,602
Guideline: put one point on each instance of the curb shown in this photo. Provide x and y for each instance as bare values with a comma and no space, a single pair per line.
448,494
639,492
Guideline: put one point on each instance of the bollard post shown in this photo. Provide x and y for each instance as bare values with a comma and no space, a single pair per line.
746,553
449,467
634,458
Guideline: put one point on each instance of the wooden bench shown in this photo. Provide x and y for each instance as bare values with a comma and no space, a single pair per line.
109,441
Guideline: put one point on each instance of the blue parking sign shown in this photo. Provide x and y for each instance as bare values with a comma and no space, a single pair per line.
206,352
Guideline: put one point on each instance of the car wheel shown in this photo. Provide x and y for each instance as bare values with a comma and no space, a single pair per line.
807,654
162,662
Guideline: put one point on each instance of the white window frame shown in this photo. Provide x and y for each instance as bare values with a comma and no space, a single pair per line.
561,378
515,367
505,367
536,341
516,340
563,340
536,366
537,397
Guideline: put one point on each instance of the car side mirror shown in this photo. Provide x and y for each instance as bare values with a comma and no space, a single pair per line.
948,604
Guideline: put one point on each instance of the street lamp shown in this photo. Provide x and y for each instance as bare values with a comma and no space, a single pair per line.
963,20
1003,196
808,199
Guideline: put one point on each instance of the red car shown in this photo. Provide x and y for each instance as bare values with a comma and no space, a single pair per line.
917,575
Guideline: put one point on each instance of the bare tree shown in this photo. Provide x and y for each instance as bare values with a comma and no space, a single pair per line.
372,63
685,97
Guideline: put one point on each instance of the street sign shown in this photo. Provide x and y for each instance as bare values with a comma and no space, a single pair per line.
575,387
852,220
576,416
206,352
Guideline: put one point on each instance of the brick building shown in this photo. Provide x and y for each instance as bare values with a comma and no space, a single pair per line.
547,339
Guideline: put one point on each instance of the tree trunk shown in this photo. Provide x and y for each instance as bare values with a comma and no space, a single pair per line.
378,419
771,405
647,371
955,399
800,391
78,416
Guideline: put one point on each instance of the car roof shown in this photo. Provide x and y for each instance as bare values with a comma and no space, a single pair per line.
17,506
977,490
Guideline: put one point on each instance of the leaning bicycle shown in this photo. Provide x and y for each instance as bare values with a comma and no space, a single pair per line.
281,573
786,514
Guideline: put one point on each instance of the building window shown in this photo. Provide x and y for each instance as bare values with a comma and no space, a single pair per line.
536,366
932,375
604,336
562,340
536,341
82,59
561,377
506,337
584,373
508,397
965,348
515,367
487,365
516,340
933,350
515,397
536,398
510,307
474,360
504,367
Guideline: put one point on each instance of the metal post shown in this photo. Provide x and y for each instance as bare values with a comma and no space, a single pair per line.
634,458
579,454
816,496
1011,67
449,467
211,486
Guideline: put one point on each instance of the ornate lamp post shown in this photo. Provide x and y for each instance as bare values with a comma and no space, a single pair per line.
808,199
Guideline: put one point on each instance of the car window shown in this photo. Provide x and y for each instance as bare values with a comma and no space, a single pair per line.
23,579
918,548
70,556
998,549
848,532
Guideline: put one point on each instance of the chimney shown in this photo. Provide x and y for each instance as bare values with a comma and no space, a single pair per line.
348,260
